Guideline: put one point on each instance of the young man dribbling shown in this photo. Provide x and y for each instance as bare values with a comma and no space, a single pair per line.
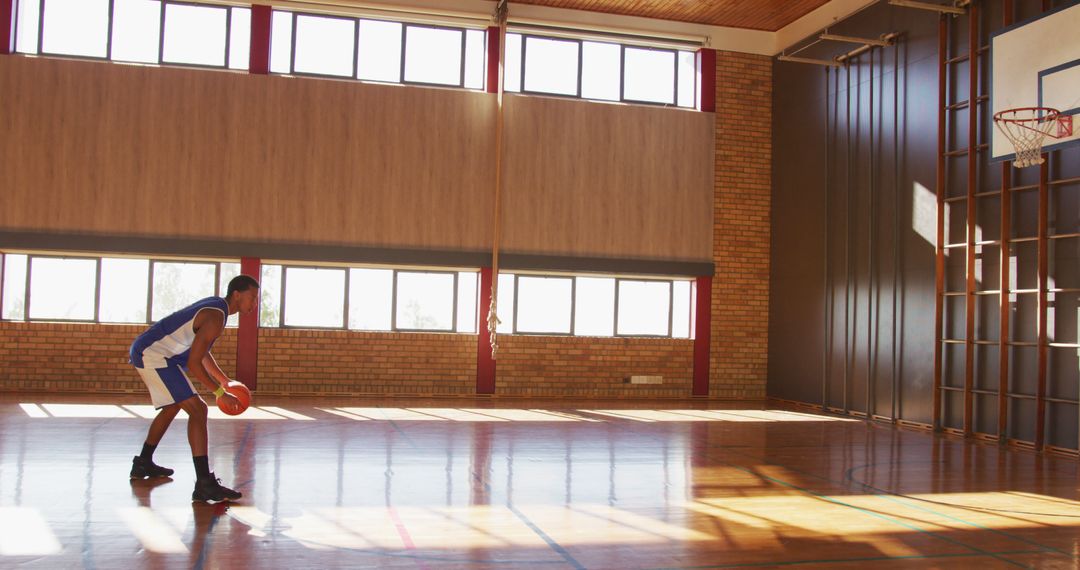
164,356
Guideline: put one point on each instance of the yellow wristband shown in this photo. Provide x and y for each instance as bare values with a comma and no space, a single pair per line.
219,392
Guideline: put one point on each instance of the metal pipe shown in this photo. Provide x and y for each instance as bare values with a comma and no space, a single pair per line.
871,230
939,263
1043,253
927,6
896,229
847,243
853,40
1003,280
826,274
969,288
825,62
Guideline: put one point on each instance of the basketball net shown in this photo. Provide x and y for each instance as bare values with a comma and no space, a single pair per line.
1027,128
501,11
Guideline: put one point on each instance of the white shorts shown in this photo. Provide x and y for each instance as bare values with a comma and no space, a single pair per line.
167,385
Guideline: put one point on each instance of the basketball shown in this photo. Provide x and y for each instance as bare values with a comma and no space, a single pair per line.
241,392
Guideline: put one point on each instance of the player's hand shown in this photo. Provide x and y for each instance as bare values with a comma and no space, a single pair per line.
229,400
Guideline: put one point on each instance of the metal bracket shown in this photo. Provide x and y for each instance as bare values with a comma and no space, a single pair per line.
957,8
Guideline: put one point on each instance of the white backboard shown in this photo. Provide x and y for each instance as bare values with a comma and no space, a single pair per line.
1036,63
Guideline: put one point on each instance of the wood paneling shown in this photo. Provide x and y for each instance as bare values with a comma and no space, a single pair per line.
607,180
770,15
105,149
99,147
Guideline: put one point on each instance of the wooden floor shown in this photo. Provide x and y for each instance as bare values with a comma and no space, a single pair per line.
521,484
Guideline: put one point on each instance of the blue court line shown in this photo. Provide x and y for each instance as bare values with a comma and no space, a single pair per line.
543,535
839,502
913,503
524,519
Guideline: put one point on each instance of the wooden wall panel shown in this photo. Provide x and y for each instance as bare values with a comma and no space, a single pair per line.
607,180
105,148
122,150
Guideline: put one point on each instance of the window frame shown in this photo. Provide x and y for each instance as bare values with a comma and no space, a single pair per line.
292,46
285,284
675,76
454,301
461,61
580,55
27,299
670,306
517,300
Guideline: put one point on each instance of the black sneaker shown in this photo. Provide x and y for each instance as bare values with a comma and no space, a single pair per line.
145,468
212,491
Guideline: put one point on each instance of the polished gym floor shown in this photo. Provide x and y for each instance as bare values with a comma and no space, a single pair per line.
501,483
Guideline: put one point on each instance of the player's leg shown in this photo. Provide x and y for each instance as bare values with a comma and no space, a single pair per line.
208,487
142,465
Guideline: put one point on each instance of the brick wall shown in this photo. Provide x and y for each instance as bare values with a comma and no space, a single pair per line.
740,304
77,357
296,361
544,366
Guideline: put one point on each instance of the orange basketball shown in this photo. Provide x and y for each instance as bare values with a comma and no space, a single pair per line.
241,392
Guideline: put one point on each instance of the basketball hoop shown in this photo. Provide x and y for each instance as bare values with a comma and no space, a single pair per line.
1027,127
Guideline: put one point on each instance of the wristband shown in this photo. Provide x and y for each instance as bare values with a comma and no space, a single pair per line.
219,392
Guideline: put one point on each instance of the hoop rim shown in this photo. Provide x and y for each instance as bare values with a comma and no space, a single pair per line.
1050,114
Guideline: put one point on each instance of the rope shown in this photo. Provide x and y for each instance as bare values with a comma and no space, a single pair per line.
501,11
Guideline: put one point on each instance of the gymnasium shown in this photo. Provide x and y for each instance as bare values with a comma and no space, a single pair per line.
578,284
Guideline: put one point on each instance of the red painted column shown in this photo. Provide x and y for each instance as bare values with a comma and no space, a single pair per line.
492,84
259,56
702,334
706,79
247,338
7,26
485,364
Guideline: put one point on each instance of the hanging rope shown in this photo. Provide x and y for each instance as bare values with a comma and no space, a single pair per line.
501,11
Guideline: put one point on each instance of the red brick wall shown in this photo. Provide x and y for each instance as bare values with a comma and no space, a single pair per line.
76,357
740,304
544,366
296,361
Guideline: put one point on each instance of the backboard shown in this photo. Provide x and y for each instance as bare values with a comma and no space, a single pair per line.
1036,63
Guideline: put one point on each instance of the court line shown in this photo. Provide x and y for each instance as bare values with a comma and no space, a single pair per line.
628,426
838,560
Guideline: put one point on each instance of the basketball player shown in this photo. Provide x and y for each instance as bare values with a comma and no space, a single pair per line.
165,355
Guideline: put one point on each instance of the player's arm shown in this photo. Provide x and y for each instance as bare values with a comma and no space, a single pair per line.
208,326
214,370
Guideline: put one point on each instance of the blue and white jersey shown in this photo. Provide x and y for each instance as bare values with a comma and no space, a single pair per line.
168,342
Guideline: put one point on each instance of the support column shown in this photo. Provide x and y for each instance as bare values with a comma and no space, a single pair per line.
702,334
492,83
705,59
247,338
7,26
259,56
485,364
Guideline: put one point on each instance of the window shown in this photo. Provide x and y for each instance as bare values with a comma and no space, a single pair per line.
195,35
325,45
314,297
680,309
136,31
643,308
594,306
424,301
544,304
551,66
468,281
62,289
378,56
376,50
14,295
371,296
226,272
75,27
124,285
27,26
270,296
179,284
434,55
649,75
599,70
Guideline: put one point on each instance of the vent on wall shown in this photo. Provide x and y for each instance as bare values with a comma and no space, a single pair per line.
644,379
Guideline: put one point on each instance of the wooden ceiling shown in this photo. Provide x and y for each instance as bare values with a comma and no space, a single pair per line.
767,15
